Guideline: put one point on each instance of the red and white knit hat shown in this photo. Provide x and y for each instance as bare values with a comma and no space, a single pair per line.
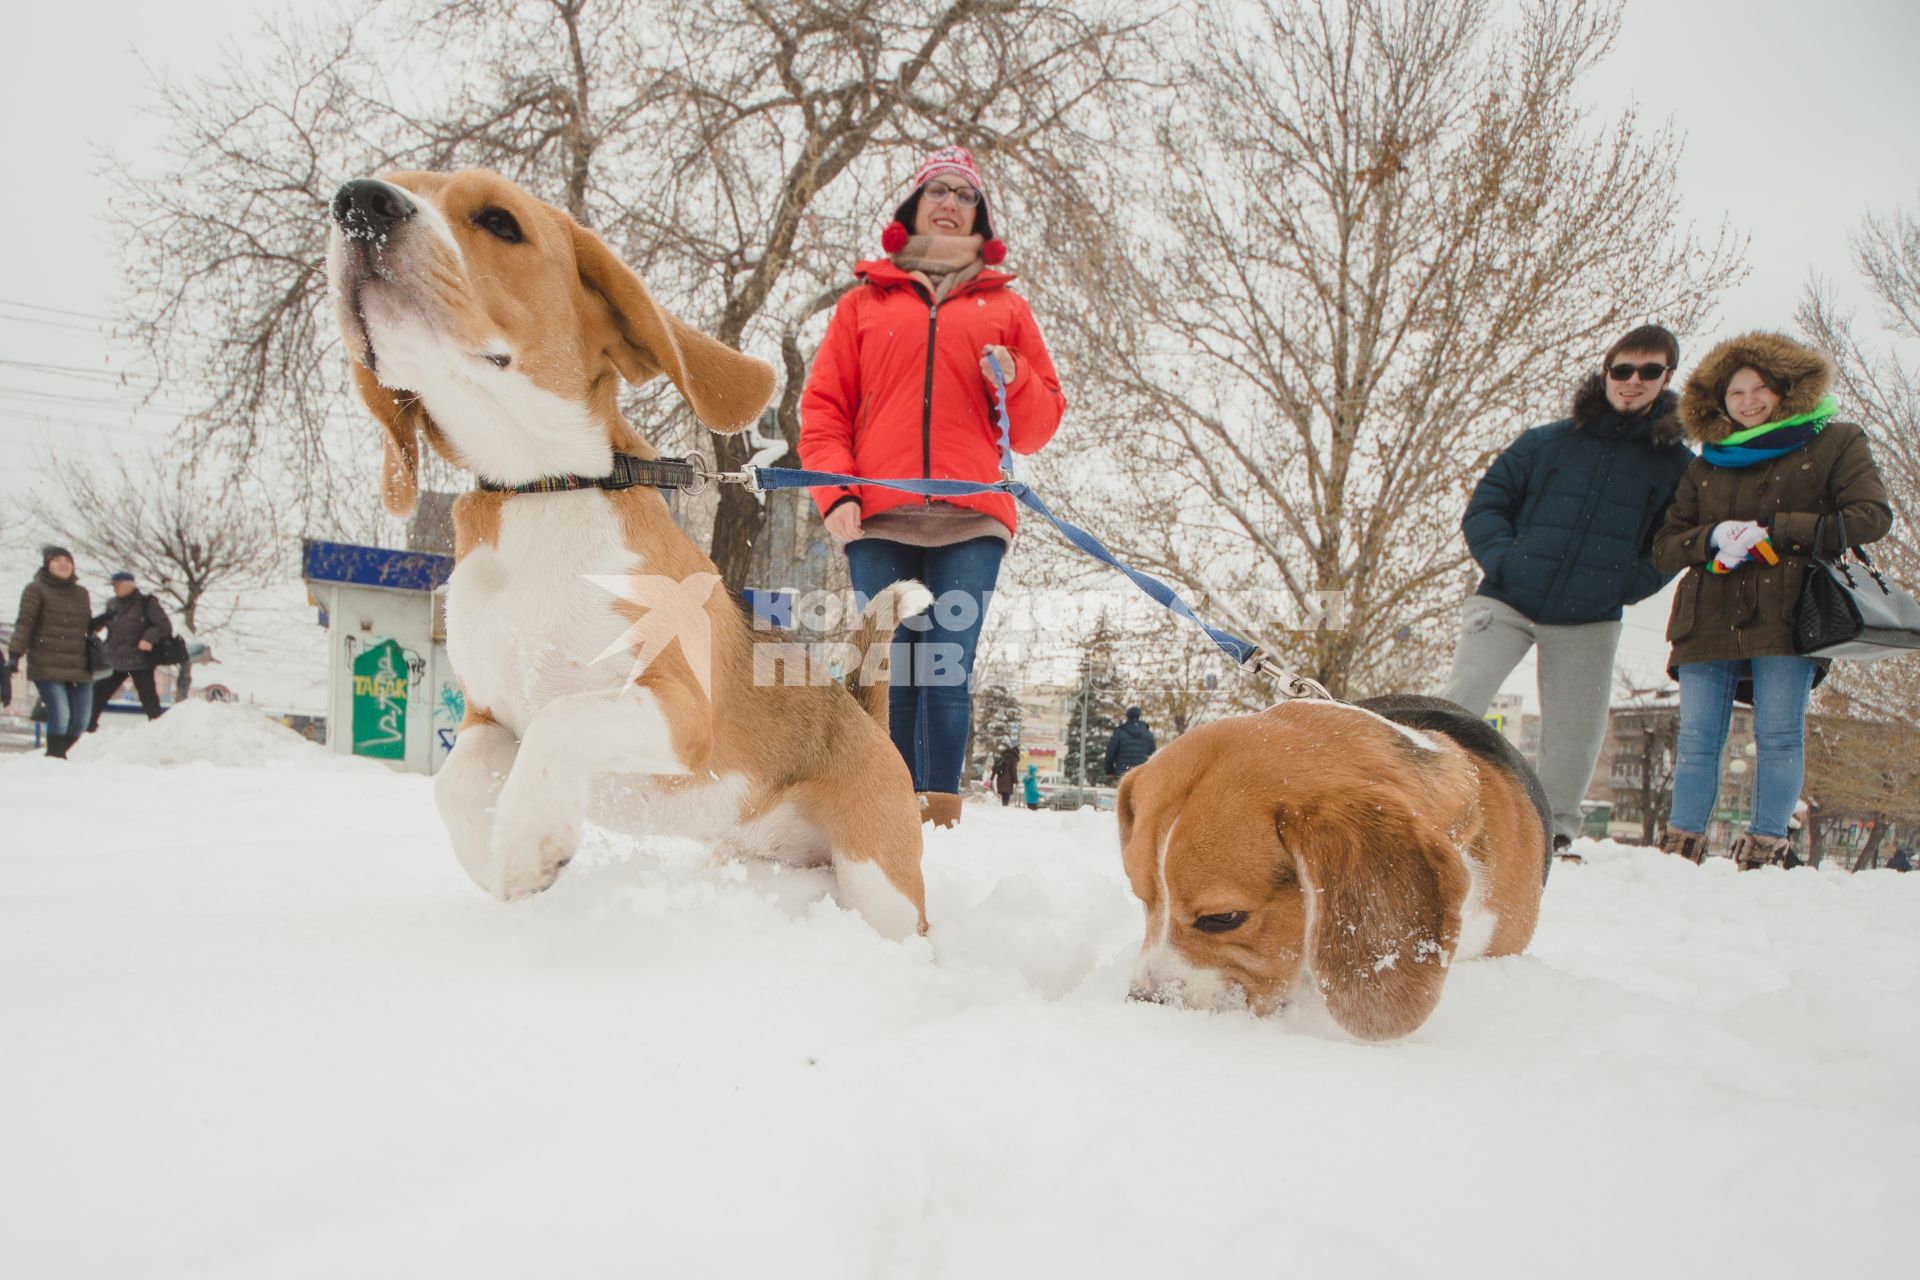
957,161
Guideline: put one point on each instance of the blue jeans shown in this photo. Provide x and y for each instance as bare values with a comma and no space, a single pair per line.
68,706
1780,689
930,703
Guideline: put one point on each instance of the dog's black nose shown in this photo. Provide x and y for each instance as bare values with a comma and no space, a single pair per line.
368,209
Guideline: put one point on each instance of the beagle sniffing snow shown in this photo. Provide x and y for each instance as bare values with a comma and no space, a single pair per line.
1369,845
499,329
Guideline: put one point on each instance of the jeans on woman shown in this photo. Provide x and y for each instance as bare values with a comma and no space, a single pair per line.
1780,689
930,704
69,705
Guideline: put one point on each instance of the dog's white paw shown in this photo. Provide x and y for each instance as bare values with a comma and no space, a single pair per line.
527,857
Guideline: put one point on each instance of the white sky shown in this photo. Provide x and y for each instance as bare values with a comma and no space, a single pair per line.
1799,119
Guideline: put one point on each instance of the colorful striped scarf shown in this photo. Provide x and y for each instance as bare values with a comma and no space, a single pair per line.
1770,440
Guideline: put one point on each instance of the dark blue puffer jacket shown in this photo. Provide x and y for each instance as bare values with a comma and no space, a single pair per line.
1562,524
1130,746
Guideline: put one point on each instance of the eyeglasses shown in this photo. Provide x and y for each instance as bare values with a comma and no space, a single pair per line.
1647,372
965,197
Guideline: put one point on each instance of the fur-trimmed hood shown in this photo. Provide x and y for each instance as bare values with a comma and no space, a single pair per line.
1806,374
1592,411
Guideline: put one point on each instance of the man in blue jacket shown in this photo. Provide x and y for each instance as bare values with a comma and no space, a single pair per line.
1562,528
1130,746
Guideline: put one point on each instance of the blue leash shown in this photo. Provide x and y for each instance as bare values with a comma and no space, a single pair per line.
1243,652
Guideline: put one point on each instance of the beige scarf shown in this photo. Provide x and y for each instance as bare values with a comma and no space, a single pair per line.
941,263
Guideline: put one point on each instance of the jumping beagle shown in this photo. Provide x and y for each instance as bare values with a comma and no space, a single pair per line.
1369,845
608,674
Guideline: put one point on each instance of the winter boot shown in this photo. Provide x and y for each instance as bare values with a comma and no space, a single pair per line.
1690,845
57,744
941,808
1750,850
1563,850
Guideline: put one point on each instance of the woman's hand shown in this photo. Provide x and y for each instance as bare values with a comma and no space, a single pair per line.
843,522
1008,369
1734,539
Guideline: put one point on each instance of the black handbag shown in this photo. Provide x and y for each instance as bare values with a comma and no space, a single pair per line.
1848,610
171,651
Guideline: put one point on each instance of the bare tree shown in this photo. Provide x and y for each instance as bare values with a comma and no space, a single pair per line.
1876,381
1855,760
1645,725
1862,766
195,542
1376,241
738,152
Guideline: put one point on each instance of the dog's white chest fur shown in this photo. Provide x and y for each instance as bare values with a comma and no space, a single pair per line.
524,625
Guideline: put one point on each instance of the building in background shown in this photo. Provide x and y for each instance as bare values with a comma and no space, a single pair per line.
391,692
1507,713
1043,731
1636,771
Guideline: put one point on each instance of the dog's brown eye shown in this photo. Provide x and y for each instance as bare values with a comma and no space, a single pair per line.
1224,922
499,224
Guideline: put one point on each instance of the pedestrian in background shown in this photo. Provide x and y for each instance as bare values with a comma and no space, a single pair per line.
1562,528
1030,792
1006,772
135,624
1131,744
1776,466
50,632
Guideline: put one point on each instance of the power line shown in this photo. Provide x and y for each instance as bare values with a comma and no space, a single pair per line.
67,400
58,311
69,371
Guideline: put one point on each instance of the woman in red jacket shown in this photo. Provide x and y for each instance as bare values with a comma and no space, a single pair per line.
901,390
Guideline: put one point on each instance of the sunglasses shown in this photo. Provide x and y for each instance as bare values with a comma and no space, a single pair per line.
1647,372
965,197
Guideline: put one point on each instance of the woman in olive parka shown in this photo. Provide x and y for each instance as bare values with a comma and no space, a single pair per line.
1776,467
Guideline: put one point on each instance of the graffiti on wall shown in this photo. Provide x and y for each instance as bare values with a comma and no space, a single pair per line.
380,681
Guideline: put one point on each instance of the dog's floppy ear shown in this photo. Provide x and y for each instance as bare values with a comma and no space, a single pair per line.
404,417
725,389
1384,892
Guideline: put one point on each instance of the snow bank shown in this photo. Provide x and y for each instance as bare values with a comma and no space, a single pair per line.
260,1023
221,733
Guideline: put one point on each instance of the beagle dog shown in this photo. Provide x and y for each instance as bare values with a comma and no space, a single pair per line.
608,674
1368,845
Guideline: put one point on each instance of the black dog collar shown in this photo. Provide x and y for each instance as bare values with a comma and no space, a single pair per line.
628,472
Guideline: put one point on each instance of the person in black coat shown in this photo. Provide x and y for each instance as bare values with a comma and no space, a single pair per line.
1562,527
1131,744
135,623
1006,772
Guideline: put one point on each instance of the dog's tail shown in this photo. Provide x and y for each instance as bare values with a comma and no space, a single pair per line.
868,681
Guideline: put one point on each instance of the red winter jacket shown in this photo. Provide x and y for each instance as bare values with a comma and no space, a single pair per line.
878,404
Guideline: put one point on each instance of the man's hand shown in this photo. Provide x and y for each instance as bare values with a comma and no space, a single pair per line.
1735,540
843,522
1008,369
146,644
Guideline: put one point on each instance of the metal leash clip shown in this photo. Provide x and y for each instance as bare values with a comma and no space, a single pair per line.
1292,683
747,477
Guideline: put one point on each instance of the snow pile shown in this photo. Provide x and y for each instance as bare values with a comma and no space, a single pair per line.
221,733
261,1023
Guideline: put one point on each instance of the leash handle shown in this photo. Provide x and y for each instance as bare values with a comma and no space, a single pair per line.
1000,415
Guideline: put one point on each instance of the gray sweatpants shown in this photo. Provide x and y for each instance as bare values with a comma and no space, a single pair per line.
1576,684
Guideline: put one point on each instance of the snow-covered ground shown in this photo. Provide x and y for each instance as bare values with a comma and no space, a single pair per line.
257,1023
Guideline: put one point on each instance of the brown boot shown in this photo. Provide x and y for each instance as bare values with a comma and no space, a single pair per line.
1690,845
1750,851
941,808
